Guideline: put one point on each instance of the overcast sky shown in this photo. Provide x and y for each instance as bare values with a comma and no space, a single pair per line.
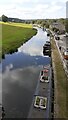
33,9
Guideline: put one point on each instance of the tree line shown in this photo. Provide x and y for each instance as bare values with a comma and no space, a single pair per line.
45,23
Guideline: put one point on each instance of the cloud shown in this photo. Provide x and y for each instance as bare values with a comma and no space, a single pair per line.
30,47
9,67
27,9
20,77
31,50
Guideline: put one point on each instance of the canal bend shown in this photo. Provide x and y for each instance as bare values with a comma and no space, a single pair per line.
20,73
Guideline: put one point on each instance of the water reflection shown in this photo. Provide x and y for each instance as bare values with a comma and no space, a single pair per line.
20,60
20,72
18,89
35,46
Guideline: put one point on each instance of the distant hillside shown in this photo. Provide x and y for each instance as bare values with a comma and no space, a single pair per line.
9,19
15,20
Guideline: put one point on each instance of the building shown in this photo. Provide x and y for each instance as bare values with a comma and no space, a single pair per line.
65,40
63,43
58,26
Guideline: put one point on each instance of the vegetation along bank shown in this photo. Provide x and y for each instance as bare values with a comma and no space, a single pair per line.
14,35
60,84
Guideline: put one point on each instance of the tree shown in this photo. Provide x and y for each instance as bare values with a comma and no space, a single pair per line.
62,21
47,25
43,23
55,29
33,21
4,18
39,22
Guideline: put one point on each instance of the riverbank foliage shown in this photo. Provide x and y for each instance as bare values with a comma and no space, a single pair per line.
61,84
14,35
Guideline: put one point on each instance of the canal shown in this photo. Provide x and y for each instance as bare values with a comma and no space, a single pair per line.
20,73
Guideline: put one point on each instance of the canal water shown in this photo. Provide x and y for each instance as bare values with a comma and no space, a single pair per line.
20,74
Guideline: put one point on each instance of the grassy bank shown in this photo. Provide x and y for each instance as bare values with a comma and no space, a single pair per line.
60,82
15,34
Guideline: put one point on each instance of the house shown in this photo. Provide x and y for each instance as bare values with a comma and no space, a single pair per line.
63,43
58,26
65,40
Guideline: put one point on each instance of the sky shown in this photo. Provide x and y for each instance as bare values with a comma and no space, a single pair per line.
33,9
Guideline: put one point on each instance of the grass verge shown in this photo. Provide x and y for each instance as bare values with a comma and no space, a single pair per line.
60,82
14,35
